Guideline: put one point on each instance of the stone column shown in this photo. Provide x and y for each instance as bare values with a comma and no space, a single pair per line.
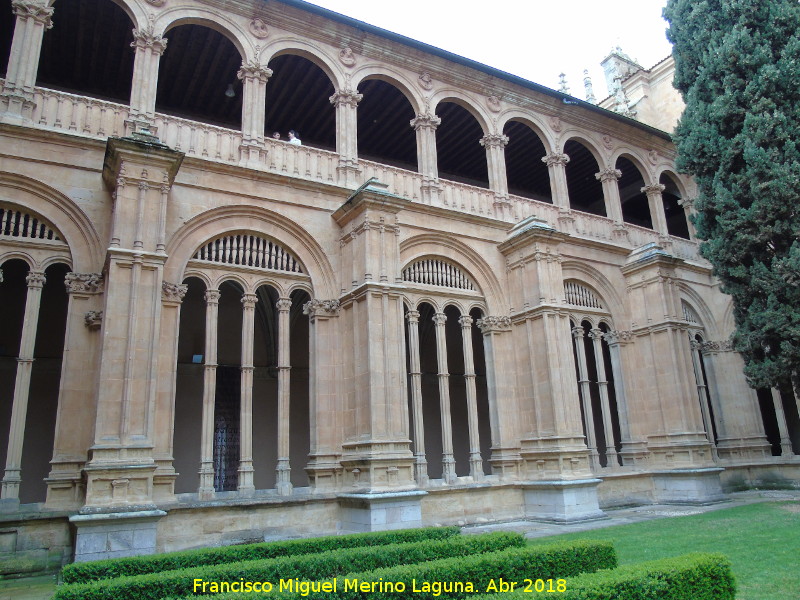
206,490
148,47
420,462
33,19
633,452
495,144
609,178
283,478
425,125
702,392
783,429
254,78
475,460
656,204
579,340
324,470
19,405
448,462
346,103
246,486
557,166
605,405
688,210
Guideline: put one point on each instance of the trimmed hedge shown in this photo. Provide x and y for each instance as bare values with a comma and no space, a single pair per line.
696,576
563,559
154,563
154,586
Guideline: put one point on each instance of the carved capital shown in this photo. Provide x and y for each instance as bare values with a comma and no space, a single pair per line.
254,71
608,175
413,316
618,337
146,39
578,333
284,304
555,158
494,324
83,283
211,296
249,300
346,98
596,333
494,140
653,188
93,319
465,321
695,345
33,10
425,121
173,292
687,203
321,307
36,279
439,319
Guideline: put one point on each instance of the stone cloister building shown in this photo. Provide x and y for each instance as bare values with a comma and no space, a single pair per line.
463,298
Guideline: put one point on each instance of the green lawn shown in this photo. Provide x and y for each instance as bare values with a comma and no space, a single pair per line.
762,540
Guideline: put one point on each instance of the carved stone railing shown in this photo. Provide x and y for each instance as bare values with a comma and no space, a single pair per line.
305,162
401,182
198,139
467,198
526,207
78,115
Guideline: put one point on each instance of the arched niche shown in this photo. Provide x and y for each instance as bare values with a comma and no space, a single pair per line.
677,224
526,174
384,131
635,207
460,155
585,190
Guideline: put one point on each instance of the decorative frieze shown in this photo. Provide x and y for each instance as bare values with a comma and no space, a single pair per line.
492,324
722,346
173,292
83,283
316,307
618,337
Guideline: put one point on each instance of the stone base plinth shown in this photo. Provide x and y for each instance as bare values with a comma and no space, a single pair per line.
380,512
562,501
687,486
115,535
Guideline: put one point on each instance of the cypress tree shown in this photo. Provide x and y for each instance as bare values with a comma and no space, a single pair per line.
737,64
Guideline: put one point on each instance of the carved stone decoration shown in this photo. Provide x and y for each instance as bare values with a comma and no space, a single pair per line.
425,121
42,14
83,283
35,279
723,346
258,28
608,175
493,102
321,307
618,337
145,38
173,292
652,156
254,70
493,324
426,81
93,319
492,140
555,124
346,97
608,142
653,188
347,57
555,158
687,203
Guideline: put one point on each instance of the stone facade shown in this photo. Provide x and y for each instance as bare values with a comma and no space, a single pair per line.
214,337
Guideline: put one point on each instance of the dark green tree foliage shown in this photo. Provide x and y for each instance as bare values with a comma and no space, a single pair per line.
737,64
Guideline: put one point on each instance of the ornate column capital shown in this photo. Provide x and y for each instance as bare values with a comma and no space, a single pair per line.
653,188
494,324
146,39
315,308
173,292
439,319
346,98
687,203
284,304
618,337
494,140
596,333
249,300
465,321
36,279
578,332
608,175
33,10
413,316
83,283
425,121
555,158
211,296
253,70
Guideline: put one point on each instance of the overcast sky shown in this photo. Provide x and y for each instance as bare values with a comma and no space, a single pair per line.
535,39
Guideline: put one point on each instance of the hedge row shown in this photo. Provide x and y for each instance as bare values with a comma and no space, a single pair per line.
154,563
452,575
695,576
154,586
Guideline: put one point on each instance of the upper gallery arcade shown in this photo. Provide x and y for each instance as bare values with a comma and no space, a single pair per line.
462,296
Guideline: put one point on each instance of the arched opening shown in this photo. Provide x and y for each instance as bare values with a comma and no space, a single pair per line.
384,133
527,175
676,216
781,417
635,208
88,51
299,414
460,155
298,95
206,87
585,190
7,24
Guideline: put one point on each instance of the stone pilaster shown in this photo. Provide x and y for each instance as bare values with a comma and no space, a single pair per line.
254,77
557,166
425,125
33,18
346,103
148,47
376,451
324,469
609,178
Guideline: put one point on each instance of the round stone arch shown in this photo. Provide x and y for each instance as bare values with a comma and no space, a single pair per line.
468,103
586,141
135,12
211,224
675,178
534,122
696,302
636,159
393,78
240,280
599,284
314,53
78,231
216,20
457,252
